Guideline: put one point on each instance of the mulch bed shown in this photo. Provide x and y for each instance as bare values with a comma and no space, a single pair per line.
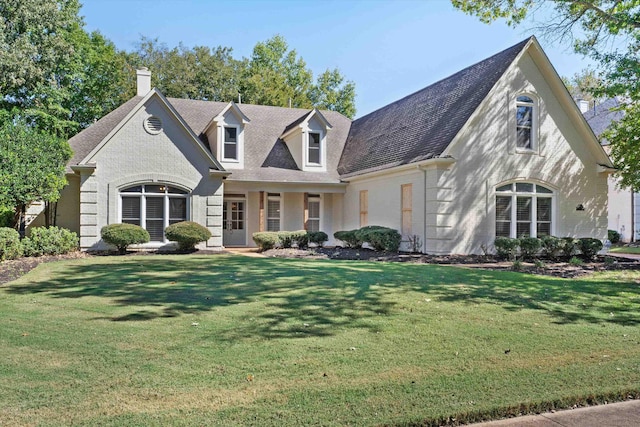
11,270
487,262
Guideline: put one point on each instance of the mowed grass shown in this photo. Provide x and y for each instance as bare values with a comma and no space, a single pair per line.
625,249
231,340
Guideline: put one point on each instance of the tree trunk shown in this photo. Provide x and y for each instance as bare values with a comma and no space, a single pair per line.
22,228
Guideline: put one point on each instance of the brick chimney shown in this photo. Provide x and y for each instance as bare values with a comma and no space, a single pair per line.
143,81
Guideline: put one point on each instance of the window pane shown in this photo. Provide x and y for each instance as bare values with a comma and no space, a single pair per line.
523,229
155,228
131,208
313,225
544,229
155,208
503,229
523,210
314,155
273,208
524,187
174,190
541,189
230,151
314,209
503,208
131,221
177,208
136,189
314,140
544,209
524,138
525,99
155,188
230,135
524,115
273,225
507,187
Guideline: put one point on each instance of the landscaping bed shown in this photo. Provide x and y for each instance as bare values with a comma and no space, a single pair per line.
487,262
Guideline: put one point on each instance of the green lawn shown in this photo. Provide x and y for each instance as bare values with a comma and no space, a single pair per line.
231,340
625,249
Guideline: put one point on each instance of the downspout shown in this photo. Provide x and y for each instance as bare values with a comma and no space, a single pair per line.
633,217
424,213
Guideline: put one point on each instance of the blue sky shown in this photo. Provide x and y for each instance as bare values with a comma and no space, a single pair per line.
388,48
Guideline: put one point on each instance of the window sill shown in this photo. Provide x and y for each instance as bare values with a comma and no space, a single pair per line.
525,151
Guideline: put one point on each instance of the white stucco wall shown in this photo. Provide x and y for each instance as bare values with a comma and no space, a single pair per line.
620,210
133,156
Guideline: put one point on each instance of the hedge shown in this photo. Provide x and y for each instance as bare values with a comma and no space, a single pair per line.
318,237
49,241
349,238
123,235
188,234
265,239
10,246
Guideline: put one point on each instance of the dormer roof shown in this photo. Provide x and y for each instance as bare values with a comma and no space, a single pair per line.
233,108
304,119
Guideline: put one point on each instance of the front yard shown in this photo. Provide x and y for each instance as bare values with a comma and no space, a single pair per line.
231,340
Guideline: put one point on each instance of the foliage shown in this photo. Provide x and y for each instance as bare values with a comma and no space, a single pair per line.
266,240
188,234
539,263
332,92
551,246
613,236
516,265
583,84
589,247
506,247
300,238
10,246
32,164
6,216
123,235
318,237
607,31
380,238
569,246
49,241
285,239
529,246
349,238
576,261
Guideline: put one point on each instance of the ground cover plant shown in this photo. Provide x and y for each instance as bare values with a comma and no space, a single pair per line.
231,340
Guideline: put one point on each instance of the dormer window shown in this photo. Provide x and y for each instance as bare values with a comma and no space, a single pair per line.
230,144
314,148
525,123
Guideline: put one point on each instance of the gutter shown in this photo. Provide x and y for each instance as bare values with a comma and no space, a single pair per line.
434,161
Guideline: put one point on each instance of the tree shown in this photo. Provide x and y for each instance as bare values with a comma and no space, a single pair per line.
607,31
583,85
331,92
32,166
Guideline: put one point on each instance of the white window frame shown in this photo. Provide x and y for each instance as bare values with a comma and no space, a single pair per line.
533,131
143,194
315,199
224,143
274,198
320,148
534,195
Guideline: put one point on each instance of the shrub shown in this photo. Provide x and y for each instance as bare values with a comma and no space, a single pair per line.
318,237
576,261
362,234
349,238
6,216
613,236
529,246
300,238
569,246
123,235
188,234
517,265
551,246
265,240
589,247
10,246
384,239
285,238
50,241
506,247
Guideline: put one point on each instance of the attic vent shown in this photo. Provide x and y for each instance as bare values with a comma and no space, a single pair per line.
153,125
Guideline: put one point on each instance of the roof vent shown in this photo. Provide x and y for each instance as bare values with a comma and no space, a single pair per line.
153,125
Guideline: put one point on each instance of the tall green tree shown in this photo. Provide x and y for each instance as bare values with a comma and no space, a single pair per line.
583,85
32,166
607,31
333,92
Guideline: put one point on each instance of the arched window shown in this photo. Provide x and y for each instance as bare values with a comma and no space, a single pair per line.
525,123
153,207
524,209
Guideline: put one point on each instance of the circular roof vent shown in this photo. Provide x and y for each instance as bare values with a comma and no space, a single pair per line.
153,125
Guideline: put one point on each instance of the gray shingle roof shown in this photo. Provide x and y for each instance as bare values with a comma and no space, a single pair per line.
601,116
421,125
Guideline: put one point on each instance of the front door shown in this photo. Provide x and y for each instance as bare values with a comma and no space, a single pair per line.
233,221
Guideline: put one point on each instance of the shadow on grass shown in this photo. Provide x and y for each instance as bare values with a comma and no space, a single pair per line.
323,294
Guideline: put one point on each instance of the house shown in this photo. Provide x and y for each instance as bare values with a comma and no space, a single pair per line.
497,149
623,204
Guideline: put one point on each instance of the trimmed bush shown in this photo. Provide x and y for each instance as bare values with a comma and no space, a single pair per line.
123,235
362,234
10,246
529,247
349,238
6,216
285,239
265,240
300,238
551,247
188,234
613,236
49,241
506,247
384,239
589,247
318,237
569,246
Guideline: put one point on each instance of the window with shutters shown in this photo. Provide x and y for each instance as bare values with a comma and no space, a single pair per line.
524,209
273,212
153,207
364,208
313,208
406,209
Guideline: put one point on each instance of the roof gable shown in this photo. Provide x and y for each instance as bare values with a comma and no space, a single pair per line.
420,126
301,121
